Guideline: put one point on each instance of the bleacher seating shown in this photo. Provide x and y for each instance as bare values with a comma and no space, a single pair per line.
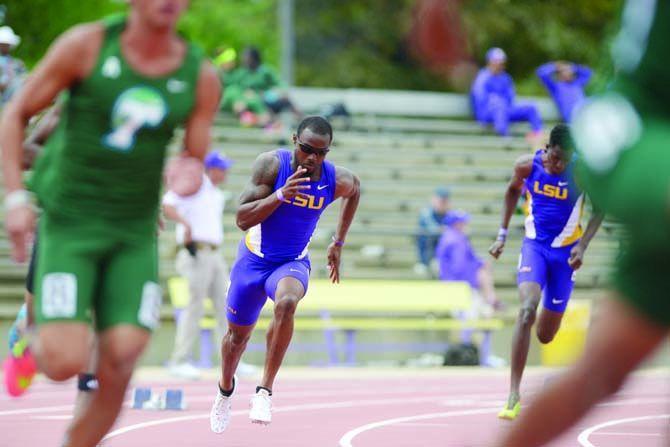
402,145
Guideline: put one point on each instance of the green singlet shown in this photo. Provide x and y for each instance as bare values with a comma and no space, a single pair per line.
99,184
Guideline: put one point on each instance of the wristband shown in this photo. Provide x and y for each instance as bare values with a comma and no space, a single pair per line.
502,234
17,198
337,242
280,195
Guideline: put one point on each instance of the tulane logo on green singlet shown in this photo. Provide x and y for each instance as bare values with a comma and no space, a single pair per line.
134,109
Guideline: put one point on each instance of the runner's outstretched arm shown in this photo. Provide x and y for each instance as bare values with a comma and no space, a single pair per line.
522,169
68,60
577,252
349,188
197,137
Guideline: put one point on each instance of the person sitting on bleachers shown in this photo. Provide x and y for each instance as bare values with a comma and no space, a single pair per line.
493,98
254,91
430,228
12,70
565,82
459,262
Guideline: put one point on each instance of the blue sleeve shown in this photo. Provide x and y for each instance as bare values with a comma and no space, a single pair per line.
457,258
582,74
442,247
509,89
424,219
478,95
546,74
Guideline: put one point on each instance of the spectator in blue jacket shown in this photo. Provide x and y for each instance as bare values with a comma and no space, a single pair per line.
565,82
459,262
458,259
492,95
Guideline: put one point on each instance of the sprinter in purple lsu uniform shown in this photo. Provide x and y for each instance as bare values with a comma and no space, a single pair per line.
552,249
280,209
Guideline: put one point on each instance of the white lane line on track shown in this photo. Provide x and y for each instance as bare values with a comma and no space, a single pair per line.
209,397
583,438
290,408
50,409
345,441
621,433
636,401
37,410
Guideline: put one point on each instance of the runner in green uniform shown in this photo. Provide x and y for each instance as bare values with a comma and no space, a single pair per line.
131,81
623,137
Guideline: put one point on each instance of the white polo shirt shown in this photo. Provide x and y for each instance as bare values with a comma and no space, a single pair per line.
203,211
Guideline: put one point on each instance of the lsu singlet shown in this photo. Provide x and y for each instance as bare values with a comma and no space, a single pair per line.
555,205
286,234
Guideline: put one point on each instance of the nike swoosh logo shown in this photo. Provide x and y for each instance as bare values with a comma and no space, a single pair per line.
294,270
320,187
562,183
555,301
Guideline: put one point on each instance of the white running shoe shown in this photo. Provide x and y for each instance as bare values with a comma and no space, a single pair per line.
261,408
220,416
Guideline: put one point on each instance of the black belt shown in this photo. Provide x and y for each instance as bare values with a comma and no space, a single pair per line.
202,246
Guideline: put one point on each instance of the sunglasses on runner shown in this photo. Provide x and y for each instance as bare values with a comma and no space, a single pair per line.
309,150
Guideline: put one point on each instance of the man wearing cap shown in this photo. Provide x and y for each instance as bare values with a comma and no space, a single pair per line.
199,233
12,70
565,82
457,258
492,96
430,228
458,261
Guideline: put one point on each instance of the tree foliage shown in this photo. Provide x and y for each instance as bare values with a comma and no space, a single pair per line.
211,23
39,22
234,23
360,43
363,43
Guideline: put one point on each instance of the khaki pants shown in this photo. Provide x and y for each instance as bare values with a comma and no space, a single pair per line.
207,276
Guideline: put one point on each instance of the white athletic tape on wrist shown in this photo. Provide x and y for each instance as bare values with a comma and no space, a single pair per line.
280,195
502,234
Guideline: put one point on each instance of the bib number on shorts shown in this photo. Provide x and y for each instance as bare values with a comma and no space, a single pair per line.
59,295
149,314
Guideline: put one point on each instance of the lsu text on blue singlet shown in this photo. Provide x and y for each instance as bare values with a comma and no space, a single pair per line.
555,205
286,234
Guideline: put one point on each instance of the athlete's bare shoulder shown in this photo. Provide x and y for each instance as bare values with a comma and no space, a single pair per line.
266,167
523,166
82,41
347,183
263,176
70,59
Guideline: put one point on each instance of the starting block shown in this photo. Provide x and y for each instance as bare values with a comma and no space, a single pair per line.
146,399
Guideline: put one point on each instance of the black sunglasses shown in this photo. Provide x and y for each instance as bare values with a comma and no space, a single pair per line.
309,150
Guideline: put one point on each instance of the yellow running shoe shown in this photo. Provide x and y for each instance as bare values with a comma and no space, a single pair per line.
510,414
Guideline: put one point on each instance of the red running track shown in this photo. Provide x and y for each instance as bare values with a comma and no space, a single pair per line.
348,407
